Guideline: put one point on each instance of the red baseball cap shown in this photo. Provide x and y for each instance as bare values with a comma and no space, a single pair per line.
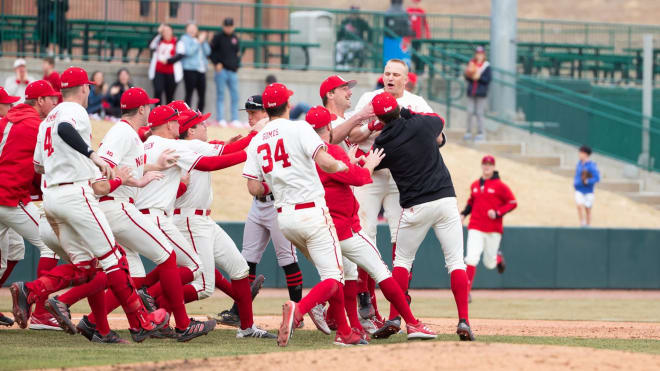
383,103
275,95
190,118
136,97
162,115
488,159
334,82
6,98
144,133
40,88
412,77
74,76
179,105
319,117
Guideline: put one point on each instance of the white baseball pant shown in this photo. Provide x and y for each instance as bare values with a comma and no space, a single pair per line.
359,250
312,231
261,226
382,192
49,238
24,221
11,248
82,229
186,256
215,248
441,215
479,242
136,234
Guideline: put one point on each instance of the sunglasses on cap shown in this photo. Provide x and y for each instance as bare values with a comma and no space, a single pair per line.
175,114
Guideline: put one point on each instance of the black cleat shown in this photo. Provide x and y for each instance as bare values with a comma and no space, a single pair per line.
501,264
195,329
366,309
20,308
86,328
111,338
6,321
389,328
62,315
148,300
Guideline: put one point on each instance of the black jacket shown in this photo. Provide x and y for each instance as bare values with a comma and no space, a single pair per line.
225,49
413,157
479,88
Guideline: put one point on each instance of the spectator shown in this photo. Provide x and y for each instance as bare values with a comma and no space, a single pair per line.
6,101
353,36
96,95
113,97
586,176
411,85
418,22
52,25
225,49
298,109
50,74
165,69
195,49
15,85
478,77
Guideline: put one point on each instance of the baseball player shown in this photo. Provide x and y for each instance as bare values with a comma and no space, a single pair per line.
357,248
282,158
490,199
18,215
260,227
427,197
69,165
383,191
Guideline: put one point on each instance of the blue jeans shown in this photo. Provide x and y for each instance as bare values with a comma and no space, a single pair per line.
229,78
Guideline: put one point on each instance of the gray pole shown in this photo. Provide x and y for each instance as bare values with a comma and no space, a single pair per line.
647,100
503,33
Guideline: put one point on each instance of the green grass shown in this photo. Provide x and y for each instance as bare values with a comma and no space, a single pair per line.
54,350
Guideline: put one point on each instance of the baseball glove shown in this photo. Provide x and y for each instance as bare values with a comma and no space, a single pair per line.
586,175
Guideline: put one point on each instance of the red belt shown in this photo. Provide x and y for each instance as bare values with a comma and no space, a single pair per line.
146,211
304,205
197,212
110,198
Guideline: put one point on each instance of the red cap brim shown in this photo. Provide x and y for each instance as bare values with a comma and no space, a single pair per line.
153,100
10,99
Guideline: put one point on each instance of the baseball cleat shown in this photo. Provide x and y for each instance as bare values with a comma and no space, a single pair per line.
317,316
287,325
254,332
86,328
368,325
351,339
301,324
332,325
389,328
159,319
364,335
501,264
420,331
111,338
166,332
464,332
195,329
228,318
365,308
256,285
44,321
148,300
6,321
62,314
20,307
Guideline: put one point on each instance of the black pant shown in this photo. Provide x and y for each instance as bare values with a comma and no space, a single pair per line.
164,83
195,80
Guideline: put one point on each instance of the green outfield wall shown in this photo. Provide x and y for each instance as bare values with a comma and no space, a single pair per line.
554,258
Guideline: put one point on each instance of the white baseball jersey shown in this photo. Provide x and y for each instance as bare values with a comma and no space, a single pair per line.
162,193
338,121
63,164
282,155
407,100
199,194
121,147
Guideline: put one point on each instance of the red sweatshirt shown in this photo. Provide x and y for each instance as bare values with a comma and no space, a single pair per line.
489,194
18,137
338,193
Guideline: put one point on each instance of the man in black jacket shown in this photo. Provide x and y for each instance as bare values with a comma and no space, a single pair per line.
225,50
410,142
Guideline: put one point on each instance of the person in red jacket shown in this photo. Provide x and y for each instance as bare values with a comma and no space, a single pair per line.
489,200
418,21
356,247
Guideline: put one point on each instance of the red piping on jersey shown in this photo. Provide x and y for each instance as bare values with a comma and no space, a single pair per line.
28,214
192,239
175,244
334,243
95,218
144,230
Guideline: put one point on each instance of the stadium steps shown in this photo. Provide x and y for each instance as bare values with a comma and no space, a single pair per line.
649,198
621,185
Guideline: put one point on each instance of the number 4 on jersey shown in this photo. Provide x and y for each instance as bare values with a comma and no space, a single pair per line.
280,155
48,143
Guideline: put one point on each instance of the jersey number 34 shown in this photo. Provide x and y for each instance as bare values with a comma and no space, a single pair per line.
280,155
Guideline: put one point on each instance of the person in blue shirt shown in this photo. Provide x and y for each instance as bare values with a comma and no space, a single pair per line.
193,49
586,176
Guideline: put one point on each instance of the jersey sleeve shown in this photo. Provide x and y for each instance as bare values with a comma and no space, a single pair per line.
187,158
422,107
114,148
205,148
356,176
38,157
508,200
251,169
309,140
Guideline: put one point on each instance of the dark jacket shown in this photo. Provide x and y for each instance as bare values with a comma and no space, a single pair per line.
114,100
225,49
479,88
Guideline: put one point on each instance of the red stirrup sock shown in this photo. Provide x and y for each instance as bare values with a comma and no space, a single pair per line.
371,284
244,301
77,293
401,276
44,265
318,294
190,294
350,303
459,287
337,310
471,271
97,304
224,285
362,281
173,291
395,296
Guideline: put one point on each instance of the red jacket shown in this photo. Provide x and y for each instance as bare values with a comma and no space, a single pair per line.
339,196
18,133
489,194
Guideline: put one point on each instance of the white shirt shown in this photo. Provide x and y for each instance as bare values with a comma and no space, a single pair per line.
122,147
160,194
345,144
282,155
407,100
63,164
16,89
199,194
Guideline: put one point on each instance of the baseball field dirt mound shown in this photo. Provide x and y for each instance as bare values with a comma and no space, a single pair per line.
421,356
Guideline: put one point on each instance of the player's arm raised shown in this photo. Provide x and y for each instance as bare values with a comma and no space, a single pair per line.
72,138
344,130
